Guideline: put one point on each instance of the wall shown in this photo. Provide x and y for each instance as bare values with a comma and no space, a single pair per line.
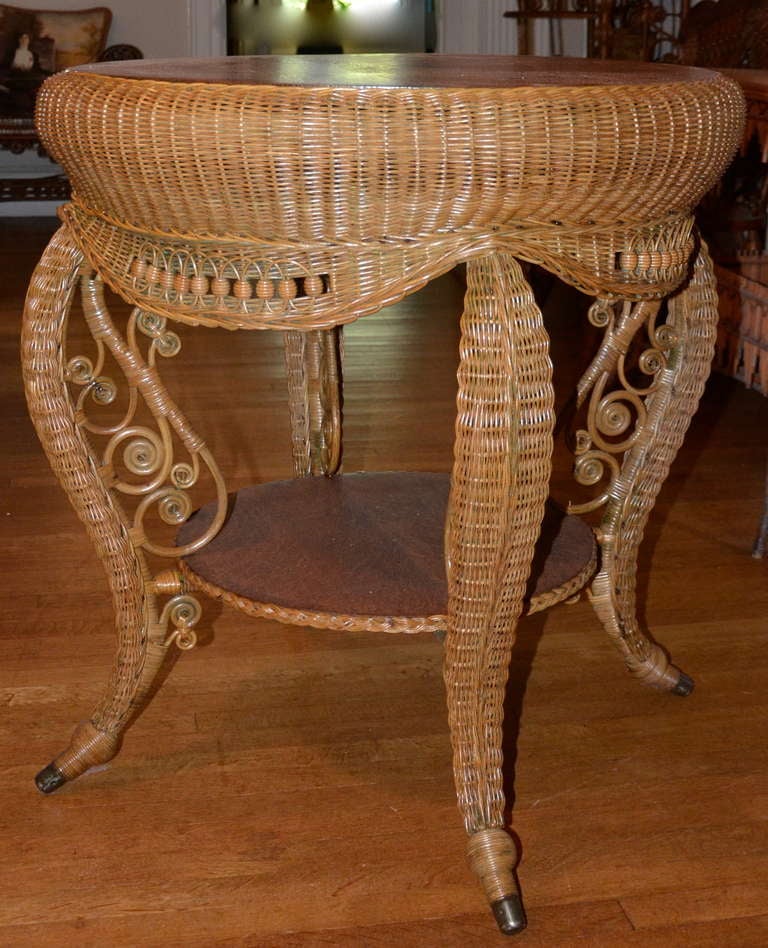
475,27
166,28
479,26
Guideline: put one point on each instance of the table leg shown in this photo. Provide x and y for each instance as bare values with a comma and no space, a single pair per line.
500,483
313,362
692,318
89,480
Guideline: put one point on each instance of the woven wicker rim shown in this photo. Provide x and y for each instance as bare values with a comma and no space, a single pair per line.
361,623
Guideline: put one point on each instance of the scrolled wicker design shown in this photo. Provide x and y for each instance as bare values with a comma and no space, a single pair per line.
224,193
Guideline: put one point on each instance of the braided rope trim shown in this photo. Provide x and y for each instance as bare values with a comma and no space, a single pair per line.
86,219
355,623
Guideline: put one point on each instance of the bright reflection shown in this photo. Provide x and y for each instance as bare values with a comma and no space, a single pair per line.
340,71
367,5
354,26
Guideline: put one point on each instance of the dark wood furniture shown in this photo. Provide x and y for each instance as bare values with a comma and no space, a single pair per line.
18,135
615,29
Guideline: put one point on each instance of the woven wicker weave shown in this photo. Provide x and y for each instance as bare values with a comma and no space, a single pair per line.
278,194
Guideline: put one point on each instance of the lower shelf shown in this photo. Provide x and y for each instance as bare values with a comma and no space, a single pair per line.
359,551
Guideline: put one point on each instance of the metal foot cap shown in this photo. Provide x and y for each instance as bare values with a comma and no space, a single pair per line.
49,779
509,914
685,685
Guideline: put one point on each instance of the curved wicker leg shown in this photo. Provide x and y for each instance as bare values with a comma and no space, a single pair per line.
313,366
692,318
499,486
138,657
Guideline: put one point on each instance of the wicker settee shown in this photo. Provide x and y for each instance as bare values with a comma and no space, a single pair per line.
33,45
733,35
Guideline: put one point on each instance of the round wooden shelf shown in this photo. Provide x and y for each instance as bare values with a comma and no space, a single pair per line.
359,551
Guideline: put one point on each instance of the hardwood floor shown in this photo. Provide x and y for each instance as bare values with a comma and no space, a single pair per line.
289,787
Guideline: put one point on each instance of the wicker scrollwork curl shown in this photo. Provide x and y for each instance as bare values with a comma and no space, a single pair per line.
139,459
624,374
183,612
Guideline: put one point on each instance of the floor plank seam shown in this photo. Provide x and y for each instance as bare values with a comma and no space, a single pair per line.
627,915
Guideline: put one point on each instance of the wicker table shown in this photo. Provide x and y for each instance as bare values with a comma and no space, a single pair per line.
301,194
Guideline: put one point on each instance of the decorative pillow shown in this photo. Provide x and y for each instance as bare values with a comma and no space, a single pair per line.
35,43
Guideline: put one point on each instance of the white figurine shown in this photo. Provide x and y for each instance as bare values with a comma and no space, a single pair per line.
23,58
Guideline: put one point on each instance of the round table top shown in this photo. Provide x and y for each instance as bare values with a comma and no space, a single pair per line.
402,70
416,154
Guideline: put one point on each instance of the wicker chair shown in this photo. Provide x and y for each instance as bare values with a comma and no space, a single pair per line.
733,34
727,34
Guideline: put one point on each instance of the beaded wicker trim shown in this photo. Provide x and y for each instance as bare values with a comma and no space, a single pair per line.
283,285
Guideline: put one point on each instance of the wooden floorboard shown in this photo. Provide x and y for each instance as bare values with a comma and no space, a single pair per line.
289,787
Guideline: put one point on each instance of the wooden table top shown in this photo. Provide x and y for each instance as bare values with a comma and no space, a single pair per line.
402,70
